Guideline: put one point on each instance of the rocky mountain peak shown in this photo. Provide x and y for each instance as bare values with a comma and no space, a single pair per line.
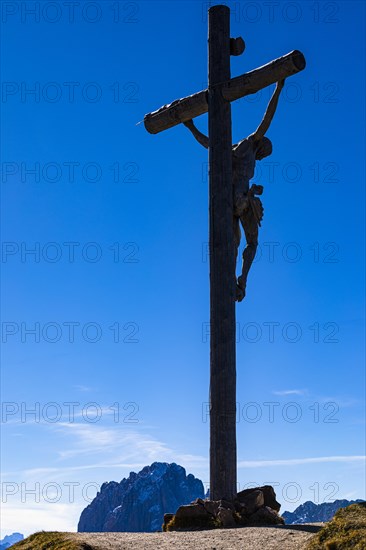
138,503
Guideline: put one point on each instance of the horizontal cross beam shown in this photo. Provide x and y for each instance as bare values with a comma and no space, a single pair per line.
194,105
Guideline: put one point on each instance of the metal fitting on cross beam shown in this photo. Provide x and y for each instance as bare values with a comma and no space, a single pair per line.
237,46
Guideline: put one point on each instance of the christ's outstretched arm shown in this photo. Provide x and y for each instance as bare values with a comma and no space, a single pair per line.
201,138
271,109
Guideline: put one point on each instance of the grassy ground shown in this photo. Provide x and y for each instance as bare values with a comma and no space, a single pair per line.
346,531
50,540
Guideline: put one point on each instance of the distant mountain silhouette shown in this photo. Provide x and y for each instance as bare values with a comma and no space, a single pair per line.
138,503
312,513
9,540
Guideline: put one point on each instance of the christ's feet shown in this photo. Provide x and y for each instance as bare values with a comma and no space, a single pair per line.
240,293
240,288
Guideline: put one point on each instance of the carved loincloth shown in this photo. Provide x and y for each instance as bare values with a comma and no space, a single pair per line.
256,206
249,206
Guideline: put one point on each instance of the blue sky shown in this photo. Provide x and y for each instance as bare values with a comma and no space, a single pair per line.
116,290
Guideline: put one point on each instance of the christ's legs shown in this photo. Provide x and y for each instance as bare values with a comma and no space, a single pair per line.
237,235
250,227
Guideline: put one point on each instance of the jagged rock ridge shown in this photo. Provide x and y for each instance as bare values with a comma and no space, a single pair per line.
9,540
138,503
312,513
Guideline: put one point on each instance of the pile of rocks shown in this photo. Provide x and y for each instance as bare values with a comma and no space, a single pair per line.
256,506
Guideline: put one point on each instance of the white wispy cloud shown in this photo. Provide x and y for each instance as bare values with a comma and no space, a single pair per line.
82,388
340,401
39,517
299,461
126,444
86,447
290,392
69,415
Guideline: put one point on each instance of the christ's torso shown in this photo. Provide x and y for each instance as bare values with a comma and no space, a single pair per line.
243,166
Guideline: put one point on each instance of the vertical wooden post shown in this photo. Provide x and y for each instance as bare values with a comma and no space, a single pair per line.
222,264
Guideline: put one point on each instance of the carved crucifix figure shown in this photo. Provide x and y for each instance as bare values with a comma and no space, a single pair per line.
231,167
247,208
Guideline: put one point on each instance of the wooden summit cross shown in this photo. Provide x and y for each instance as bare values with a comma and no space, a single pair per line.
222,89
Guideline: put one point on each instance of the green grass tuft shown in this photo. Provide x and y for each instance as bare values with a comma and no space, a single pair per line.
346,531
50,540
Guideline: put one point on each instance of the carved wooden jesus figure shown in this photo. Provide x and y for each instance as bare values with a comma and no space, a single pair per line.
248,209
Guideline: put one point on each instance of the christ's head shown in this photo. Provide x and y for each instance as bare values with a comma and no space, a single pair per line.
264,148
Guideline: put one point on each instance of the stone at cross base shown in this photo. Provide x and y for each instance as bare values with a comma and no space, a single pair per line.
251,507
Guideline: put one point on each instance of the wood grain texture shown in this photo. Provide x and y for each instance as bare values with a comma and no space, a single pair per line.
194,105
222,266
